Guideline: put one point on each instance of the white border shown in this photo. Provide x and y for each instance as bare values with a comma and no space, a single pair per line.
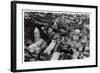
50,64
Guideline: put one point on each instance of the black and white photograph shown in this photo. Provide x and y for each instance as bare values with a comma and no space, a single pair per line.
48,36
56,36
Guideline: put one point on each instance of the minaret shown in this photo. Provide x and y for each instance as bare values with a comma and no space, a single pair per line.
36,34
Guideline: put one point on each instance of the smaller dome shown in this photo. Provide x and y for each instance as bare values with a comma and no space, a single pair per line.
77,31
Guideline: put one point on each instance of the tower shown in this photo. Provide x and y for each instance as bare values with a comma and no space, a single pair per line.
36,34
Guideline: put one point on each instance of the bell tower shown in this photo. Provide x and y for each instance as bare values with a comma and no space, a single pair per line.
36,34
